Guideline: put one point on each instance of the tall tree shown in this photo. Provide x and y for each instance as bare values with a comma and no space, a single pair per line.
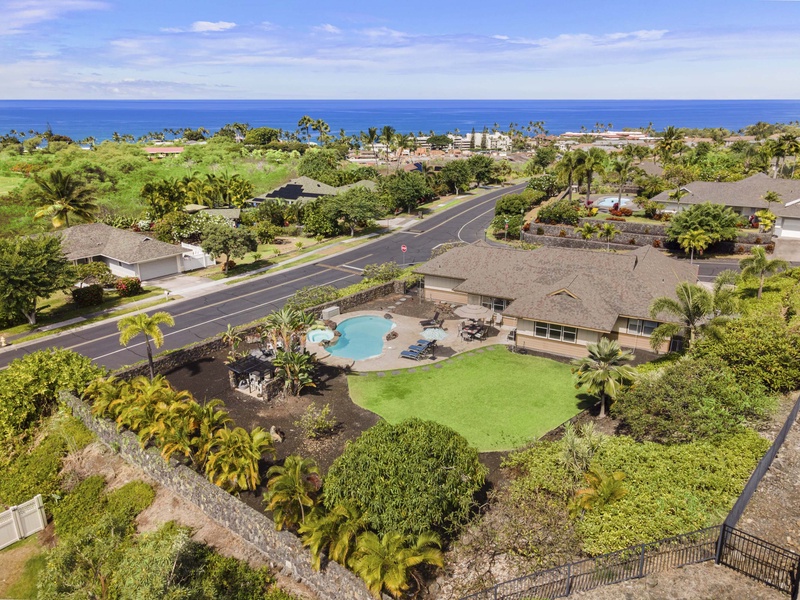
306,122
225,241
592,162
568,167
622,168
694,239
758,265
292,489
356,207
608,232
62,196
604,371
667,146
32,268
148,326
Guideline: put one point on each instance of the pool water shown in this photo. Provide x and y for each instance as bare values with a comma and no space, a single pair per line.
319,335
610,201
362,337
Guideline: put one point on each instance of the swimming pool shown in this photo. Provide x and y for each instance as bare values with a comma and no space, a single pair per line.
609,201
319,335
362,337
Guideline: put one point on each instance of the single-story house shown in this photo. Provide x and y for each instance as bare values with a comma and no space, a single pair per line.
304,189
126,253
561,299
745,197
163,151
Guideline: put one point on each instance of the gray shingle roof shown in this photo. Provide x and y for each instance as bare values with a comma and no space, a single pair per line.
581,288
746,193
97,239
304,188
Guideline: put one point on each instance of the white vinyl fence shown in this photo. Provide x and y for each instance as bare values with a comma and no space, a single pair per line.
19,522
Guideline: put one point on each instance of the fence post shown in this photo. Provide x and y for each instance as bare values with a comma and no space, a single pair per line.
568,591
641,563
40,509
796,582
16,522
720,543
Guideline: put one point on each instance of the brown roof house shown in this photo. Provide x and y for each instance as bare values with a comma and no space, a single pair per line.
560,299
127,254
745,197
304,189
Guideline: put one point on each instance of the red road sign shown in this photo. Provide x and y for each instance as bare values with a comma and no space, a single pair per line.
403,248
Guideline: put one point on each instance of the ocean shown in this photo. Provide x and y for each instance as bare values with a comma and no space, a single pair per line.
80,119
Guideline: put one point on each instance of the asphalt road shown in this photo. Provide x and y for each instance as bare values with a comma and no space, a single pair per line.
205,316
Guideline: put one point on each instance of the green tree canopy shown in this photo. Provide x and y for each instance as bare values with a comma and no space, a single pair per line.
604,372
715,220
32,268
318,162
482,168
356,207
439,142
61,196
406,190
411,477
456,175
261,136
223,240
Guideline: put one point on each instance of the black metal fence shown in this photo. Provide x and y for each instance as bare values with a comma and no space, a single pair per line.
770,564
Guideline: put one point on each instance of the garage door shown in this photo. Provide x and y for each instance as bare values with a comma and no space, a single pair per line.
790,228
158,268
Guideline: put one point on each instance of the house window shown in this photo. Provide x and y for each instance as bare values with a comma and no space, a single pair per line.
641,327
558,333
495,304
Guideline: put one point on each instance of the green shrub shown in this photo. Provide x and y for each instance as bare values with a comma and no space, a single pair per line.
716,220
29,387
81,507
231,579
690,399
515,204
315,422
311,296
760,348
564,212
382,272
91,295
547,184
129,500
33,470
129,286
411,477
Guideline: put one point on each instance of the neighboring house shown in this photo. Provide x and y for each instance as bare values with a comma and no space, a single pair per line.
305,189
126,253
163,151
745,197
560,299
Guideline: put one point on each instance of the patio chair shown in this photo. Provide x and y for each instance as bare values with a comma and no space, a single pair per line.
433,324
435,319
410,355
425,343
419,349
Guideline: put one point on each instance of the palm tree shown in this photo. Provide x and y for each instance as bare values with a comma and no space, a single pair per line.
603,489
134,325
568,166
608,232
103,393
622,167
292,490
695,239
388,561
387,137
306,122
586,231
771,197
669,143
335,531
603,371
372,136
233,461
696,310
758,265
322,129
296,369
211,420
62,196
592,162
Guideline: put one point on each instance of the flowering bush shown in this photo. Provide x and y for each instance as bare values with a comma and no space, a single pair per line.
129,286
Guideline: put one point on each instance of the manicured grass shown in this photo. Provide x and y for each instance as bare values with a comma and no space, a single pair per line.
9,183
495,399
21,564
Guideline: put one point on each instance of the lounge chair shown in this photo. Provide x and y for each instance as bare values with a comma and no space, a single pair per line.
435,319
425,343
419,349
410,355
433,324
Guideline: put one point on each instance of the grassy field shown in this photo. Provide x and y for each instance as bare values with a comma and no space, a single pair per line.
20,565
495,399
8,183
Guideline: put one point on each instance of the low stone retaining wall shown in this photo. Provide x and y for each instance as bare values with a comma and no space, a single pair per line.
198,350
284,550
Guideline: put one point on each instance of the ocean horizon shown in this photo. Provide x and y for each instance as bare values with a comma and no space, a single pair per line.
80,119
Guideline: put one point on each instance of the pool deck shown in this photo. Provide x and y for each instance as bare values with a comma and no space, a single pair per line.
408,332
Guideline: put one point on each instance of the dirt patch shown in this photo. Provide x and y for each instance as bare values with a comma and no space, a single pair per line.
705,581
13,558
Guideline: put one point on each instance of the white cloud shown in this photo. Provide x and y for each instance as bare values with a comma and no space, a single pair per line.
327,28
501,37
20,16
204,26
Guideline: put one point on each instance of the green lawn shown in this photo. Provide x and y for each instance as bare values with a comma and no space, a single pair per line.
495,399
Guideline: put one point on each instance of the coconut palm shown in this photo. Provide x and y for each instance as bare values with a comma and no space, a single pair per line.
586,231
233,461
292,490
671,140
63,196
608,232
604,371
568,166
590,163
694,239
387,137
696,311
622,167
306,122
387,562
133,325
758,265
335,532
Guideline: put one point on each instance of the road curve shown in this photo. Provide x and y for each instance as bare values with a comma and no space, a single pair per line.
202,317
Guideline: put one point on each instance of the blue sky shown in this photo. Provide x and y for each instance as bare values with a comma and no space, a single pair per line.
263,49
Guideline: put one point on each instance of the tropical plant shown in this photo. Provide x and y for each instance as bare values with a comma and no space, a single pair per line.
696,310
603,372
758,265
231,338
603,489
292,490
233,460
667,146
717,221
211,419
590,163
296,369
694,239
148,326
334,531
622,167
63,196
387,562
578,447
586,231
608,232
568,167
